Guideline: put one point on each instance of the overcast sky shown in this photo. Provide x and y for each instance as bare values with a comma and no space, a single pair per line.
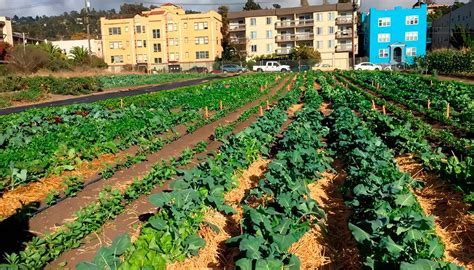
54,7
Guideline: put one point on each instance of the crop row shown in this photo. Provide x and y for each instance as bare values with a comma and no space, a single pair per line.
415,92
171,234
387,222
286,211
400,131
40,142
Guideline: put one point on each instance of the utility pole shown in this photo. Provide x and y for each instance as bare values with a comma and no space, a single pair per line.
88,25
24,42
355,6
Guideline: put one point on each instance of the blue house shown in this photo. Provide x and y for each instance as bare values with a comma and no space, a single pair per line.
395,36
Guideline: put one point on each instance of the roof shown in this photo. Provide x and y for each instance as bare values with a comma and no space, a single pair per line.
292,10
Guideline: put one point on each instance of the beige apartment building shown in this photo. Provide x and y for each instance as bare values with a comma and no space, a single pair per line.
326,28
6,32
162,37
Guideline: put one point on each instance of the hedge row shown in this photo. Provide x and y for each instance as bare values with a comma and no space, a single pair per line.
448,61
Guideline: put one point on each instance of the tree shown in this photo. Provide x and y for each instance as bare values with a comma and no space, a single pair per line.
132,9
190,11
80,55
277,6
251,5
4,48
27,59
461,38
304,3
306,54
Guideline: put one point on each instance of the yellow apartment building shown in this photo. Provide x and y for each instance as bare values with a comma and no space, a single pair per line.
326,28
6,33
162,37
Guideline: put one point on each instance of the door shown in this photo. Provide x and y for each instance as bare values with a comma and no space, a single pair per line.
397,54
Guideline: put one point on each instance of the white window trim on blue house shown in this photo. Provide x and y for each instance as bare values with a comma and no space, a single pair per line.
412,20
385,22
411,36
383,37
383,53
411,51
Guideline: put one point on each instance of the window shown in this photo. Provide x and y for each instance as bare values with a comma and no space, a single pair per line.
158,60
269,20
126,28
142,58
269,33
156,33
319,17
116,58
385,22
157,47
202,55
330,44
411,36
253,21
140,29
173,41
174,56
269,48
185,25
139,43
116,44
172,27
115,31
412,20
383,53
331,16
202,40
319,44
253,35
331,29
319,30
384,38
200,25
411,51
144,44
253,48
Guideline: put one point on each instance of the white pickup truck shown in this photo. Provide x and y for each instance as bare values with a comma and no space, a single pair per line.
271,66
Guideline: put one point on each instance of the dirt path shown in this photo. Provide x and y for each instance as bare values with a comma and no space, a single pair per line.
436,124
123,223
454,225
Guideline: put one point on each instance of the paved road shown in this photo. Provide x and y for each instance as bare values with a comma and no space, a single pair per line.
98,97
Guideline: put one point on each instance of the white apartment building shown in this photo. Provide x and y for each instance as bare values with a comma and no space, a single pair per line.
326,28
67,45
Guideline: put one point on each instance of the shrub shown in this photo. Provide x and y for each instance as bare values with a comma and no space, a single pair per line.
447,61
27,59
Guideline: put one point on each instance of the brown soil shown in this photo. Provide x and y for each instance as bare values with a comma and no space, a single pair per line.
337,248
454,225
326,108
293,109
141,206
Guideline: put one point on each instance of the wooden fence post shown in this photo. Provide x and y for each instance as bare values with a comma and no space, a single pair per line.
206,113
447,111
261,111
220,105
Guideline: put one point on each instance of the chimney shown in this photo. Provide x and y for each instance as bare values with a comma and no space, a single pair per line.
304,3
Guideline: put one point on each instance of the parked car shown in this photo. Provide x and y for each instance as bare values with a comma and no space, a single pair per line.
197,69
232,68
271,66
323,67
174,68
301,68
367,66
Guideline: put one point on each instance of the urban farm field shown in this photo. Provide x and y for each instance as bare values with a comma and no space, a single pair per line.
313,170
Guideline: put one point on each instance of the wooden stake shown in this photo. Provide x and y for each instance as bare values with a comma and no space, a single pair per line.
206,113
261,88
373,104
121,103
261,111
447,111
383,110
288,87
268,105
220,105
378,86
431,83
429,103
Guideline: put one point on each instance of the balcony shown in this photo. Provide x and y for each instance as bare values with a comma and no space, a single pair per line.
285,24
236,27
305,23
345,48
294,37
344,34
238,40
284,50
344,20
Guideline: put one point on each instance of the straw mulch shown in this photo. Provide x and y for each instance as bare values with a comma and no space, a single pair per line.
326,108
454,225
37,191
293,109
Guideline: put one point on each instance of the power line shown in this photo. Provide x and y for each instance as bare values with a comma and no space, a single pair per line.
47,3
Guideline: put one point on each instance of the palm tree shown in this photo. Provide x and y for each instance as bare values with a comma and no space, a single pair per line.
80,55
53,51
